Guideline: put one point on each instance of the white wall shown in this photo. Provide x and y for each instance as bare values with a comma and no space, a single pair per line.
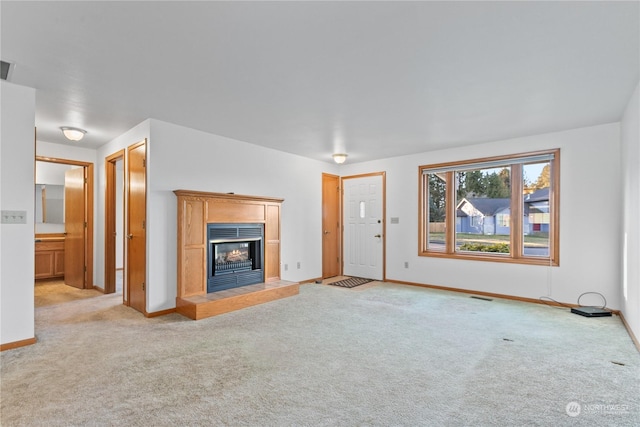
67,152
630,237
17,123
183,158
51,173
589,227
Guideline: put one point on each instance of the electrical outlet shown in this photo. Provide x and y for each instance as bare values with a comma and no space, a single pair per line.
406,264
14,217
286,267
298,265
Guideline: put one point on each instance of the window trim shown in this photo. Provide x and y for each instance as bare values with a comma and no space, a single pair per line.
516,208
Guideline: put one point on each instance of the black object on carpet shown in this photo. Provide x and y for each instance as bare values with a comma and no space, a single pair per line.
351,282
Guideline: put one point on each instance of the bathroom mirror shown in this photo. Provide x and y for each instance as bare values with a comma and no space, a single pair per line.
49,196
49,204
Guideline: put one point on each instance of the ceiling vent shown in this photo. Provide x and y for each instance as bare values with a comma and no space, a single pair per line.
6,67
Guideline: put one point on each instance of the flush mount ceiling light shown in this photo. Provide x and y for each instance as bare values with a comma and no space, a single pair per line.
73,134
339,158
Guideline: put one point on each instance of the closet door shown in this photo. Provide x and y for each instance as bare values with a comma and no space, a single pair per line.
136,226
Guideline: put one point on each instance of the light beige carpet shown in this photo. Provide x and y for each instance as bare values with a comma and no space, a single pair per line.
385,355
52,292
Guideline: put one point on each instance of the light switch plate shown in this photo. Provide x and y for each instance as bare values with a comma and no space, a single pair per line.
14,217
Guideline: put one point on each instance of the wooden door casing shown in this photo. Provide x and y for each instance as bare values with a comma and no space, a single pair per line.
110,222
331,260
364,226
87,259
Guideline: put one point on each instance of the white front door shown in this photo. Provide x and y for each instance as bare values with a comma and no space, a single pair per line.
363,227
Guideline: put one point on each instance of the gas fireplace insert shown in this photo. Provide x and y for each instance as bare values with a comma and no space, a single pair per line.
235,255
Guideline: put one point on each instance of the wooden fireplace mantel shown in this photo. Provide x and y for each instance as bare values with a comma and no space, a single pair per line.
197,208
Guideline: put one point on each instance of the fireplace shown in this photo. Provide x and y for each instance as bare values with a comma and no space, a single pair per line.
235,255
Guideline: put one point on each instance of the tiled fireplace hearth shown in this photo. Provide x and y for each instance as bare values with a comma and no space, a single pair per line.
248,262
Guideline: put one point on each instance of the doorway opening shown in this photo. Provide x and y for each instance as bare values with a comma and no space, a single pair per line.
114,224
125,225
364,231
71,241
331,226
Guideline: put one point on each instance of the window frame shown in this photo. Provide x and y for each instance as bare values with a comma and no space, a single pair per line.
516,243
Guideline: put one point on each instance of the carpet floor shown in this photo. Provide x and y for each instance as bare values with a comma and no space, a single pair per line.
386,355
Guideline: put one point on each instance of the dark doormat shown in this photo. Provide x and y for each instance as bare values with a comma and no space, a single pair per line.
351,282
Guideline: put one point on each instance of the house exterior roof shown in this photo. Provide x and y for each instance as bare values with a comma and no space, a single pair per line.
473,206
541,195
485,205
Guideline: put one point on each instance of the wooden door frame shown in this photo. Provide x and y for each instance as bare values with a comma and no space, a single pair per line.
110,221
88,211
339,216
384,216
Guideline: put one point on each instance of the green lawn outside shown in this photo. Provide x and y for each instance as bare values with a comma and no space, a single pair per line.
541,241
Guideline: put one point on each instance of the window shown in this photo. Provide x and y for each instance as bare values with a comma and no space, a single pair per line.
503,219
494,209
482,202
437,196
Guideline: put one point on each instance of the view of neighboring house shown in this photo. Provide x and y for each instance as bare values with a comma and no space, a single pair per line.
536,207
484,215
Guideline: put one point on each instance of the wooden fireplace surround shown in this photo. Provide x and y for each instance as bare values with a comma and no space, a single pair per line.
196,209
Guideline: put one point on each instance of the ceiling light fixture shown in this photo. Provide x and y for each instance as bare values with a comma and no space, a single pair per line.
73,134
339,158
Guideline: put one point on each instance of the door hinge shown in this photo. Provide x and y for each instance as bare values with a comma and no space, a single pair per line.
85,180
338,260
85,268
143,286
85,224
144,163
144,224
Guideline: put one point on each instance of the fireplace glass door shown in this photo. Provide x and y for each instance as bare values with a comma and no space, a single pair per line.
232,256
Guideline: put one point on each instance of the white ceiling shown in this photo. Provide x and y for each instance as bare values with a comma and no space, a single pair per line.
374,79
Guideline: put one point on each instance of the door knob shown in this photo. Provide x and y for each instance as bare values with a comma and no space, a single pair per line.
377,235
130,236
326,231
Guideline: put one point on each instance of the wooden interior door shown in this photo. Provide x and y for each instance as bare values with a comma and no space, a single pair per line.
330,225
75,224
136,226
